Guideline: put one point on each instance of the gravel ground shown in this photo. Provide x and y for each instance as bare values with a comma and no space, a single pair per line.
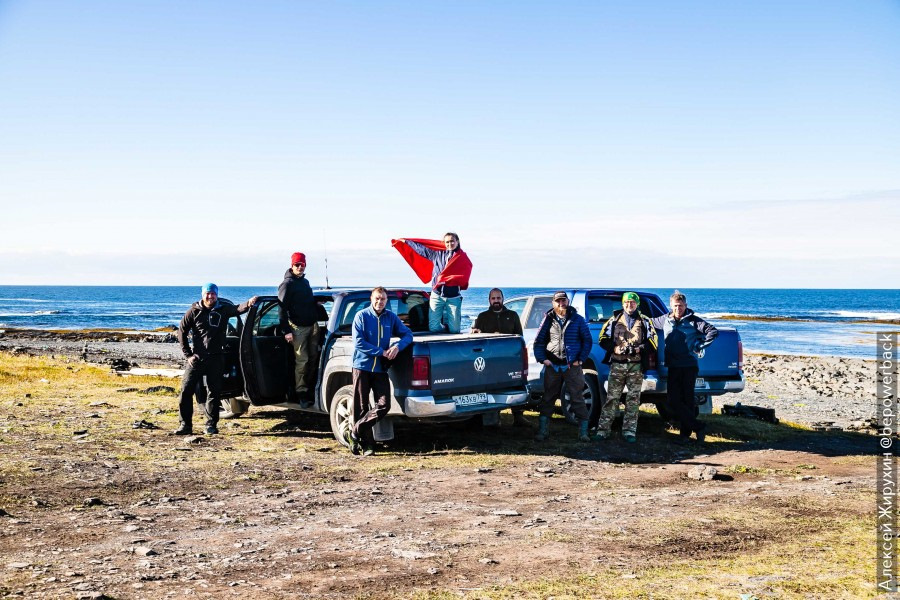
804,389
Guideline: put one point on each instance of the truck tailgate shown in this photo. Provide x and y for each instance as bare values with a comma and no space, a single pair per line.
471,364
721,357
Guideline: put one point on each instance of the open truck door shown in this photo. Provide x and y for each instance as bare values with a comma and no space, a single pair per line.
266,357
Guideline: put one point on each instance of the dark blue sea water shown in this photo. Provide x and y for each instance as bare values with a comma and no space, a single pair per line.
820,322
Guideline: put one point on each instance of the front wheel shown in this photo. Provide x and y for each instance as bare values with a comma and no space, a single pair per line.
340,413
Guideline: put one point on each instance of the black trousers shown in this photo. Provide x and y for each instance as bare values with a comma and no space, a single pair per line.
367,412
213,368
680,398
573,379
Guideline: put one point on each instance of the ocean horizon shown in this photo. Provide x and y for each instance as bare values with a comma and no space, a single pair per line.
823,322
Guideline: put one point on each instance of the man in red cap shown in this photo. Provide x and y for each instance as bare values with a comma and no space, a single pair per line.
297,313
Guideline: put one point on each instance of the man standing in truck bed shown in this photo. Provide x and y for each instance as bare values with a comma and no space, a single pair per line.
499,319
297,316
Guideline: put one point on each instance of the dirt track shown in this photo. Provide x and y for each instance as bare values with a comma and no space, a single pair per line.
441,509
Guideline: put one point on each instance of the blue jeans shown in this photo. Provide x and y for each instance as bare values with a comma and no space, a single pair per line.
447,309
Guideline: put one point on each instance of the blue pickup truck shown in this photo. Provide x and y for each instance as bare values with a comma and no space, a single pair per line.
721,368
438,377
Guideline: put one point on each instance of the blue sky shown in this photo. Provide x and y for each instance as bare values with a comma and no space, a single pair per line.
654,144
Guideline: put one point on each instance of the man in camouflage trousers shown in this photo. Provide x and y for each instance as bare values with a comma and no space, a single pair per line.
628,338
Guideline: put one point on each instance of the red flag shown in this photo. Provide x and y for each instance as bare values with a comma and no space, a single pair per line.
457,271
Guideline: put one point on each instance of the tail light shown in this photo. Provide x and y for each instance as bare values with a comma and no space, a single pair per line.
740,354
421,372
524,361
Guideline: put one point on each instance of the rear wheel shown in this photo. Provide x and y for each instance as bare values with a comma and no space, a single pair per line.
340,413
592,393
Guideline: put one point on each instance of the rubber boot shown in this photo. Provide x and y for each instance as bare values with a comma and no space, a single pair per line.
583,431
543,429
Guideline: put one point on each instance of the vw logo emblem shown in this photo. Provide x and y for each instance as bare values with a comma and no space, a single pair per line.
479,364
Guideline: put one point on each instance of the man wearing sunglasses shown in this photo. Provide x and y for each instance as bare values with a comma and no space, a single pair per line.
201,334
299,322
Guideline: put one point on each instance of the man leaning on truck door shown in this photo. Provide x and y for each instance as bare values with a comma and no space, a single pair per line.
297,317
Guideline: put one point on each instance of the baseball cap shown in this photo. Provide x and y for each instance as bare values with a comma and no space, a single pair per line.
560,294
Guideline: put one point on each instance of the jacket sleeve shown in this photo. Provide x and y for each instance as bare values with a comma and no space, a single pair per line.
242,307
659,322
282,307
584,334
540,340
403,332
422,250
187,321
360,343
606,339
707,330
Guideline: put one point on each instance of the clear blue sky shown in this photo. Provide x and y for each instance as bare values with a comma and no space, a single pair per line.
655,144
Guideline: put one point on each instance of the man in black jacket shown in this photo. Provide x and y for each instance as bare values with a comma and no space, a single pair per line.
499,319
298,317
206,323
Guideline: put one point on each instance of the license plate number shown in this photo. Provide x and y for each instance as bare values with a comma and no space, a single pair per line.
467,399
700,383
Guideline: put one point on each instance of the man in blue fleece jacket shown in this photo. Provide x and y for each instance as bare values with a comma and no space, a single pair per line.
373,328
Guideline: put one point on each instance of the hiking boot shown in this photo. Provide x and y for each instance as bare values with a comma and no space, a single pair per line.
519,420
629,437
701,435
601,435
583,432
183,430
368,449
211,430
543,429
352,442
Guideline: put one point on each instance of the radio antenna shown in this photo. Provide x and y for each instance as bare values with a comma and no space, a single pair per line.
325,244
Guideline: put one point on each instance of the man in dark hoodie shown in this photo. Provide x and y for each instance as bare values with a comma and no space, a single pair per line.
563,342
297,313
206,322
686,336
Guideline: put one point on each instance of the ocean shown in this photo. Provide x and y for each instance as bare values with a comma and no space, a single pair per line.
783,321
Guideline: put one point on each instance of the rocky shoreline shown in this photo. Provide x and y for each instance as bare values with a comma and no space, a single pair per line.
812,390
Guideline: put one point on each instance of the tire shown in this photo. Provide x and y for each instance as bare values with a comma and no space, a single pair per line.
592,393
340,413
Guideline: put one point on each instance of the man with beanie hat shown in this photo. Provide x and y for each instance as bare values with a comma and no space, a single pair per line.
297,315
563,342
628,338
206,324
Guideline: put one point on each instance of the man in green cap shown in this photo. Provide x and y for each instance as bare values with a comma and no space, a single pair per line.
628,338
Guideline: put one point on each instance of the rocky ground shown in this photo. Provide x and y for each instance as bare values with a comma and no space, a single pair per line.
823,391
98,500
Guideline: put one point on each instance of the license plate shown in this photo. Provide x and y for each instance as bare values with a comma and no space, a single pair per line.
466,399
700,383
